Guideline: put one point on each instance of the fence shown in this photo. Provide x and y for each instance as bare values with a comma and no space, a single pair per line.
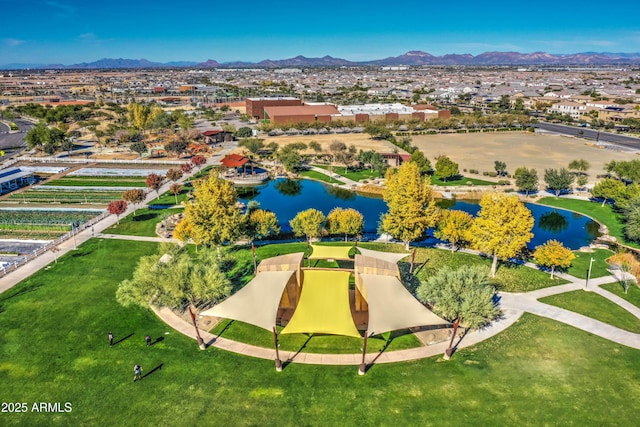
104,161
53,244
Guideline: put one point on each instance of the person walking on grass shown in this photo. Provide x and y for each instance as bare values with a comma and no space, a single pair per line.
137,373
148,340
110,339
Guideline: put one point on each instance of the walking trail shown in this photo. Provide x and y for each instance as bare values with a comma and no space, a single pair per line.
513,305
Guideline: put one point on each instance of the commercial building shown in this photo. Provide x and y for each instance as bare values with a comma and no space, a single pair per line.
255,106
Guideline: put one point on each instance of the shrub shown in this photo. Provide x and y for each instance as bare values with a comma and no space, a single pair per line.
492,174
504,182
475,171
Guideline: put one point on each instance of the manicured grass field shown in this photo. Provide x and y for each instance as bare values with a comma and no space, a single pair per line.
318,176
54,348
632,295
463,180
597,307
143,223
603,214
169,198
580,266
352,175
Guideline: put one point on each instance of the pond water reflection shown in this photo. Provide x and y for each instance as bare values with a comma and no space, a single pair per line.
288,197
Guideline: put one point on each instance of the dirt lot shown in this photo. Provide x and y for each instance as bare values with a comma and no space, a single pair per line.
539,151
480,151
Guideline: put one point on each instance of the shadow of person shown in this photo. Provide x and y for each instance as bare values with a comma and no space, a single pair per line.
159,339
157,368
122,339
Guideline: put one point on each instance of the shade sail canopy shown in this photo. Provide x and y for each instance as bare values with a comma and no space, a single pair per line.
330,252
324,305
392,307
256,303
385,256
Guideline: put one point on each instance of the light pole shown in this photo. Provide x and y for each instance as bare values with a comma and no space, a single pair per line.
586,284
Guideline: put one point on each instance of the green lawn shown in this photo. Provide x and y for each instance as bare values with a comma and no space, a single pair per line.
54,349
603,214
464,180
168,198
202,173
580,266
597,307
632,295
318,176
352,175
143,223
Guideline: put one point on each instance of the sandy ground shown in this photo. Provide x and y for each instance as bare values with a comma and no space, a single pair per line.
480,151
538,151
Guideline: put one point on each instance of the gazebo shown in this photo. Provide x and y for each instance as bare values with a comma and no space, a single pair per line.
236,169
318,301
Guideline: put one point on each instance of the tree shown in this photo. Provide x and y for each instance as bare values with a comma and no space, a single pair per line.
500,167
117,208
140,115
629,267
454,226
213,216
262,223
446,168
154,182
580,165
502,228
315,146
608,189
38,136
133,196
558,180
175,189
526,179
290,158
412,208
345,221
553,254
186,167
424,165
252,144
174,174
177,146
309,223
138,147
198,161
176,278
463,296
244,132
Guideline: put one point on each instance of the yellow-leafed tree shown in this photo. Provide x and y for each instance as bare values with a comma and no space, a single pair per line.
345,221
454,226
261,224
412,209
213,216
309,223
502,228
552,254
139,115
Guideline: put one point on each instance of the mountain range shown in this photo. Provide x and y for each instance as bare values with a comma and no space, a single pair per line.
414,57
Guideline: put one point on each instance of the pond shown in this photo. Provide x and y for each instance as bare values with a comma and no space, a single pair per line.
288,197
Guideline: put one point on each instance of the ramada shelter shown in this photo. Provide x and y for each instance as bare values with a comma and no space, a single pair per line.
312,300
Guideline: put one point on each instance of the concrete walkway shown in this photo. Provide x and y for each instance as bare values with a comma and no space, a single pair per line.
349,184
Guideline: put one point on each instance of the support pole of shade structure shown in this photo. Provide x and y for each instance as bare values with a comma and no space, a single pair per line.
201,343
413,260
363,366
275,343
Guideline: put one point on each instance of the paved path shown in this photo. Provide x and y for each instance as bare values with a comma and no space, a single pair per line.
349,184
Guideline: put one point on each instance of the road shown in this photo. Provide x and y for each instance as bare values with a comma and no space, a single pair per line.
13,143
594,135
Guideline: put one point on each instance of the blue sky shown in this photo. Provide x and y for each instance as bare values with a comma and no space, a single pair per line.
73,31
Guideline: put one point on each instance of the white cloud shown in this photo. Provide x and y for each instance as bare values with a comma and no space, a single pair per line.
13,42
63,9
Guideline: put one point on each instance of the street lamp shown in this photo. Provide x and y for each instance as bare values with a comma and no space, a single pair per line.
586,284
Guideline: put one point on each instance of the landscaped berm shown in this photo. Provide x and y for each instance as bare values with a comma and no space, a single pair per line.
318,300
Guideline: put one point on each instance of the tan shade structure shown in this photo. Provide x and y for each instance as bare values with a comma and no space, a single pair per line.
256,303
385,256
392,307
324,305
330,252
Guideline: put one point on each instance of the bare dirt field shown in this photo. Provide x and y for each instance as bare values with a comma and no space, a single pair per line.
362,141
516,149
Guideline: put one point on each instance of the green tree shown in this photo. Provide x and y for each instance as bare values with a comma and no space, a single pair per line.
309,223
290,158
446,168
244,132
38,136
252,144
463,296
608,189
412,208
558,180
502,228
581,166
345,221
138,147
213,217
424,165
552,254
526,179
500,167
454,226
